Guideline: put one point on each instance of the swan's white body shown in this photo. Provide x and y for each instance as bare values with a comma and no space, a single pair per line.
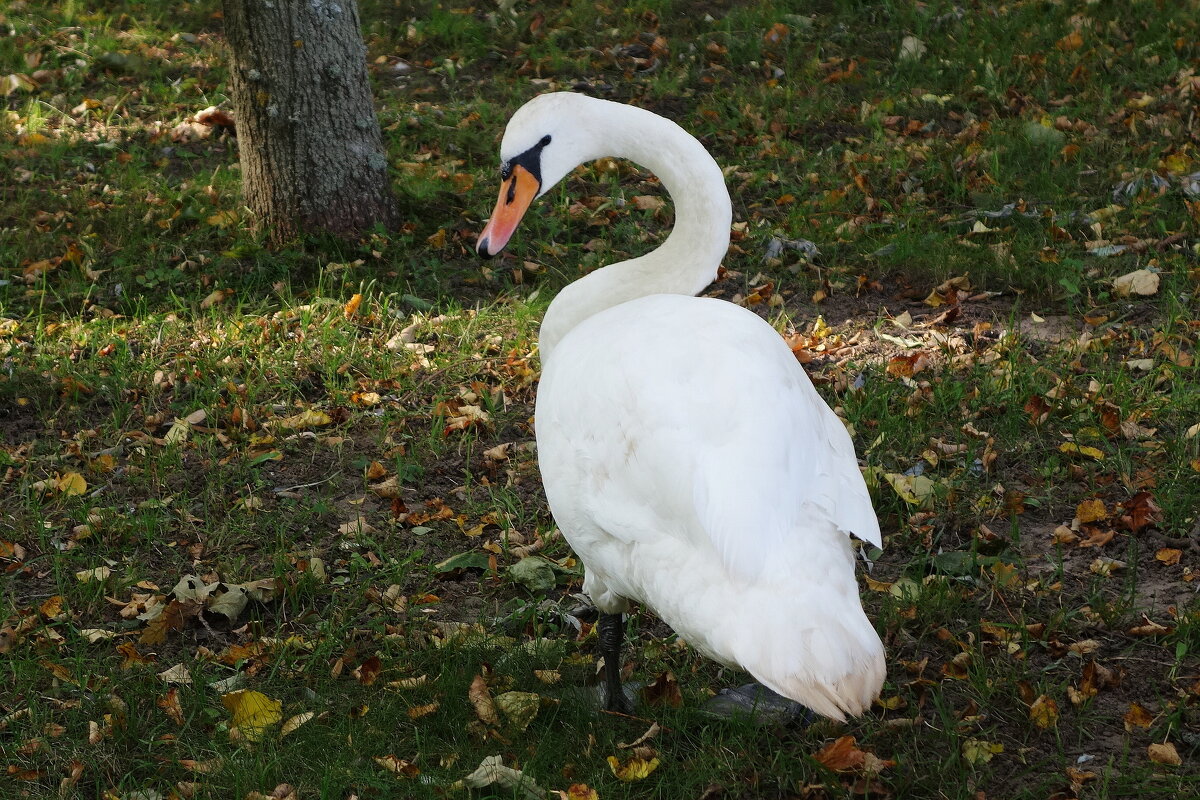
686,456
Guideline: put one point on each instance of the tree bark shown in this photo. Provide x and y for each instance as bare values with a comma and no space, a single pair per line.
308,139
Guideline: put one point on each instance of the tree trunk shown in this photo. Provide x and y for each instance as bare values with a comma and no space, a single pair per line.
309,143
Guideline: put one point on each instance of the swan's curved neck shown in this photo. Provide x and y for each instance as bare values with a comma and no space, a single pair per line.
687,261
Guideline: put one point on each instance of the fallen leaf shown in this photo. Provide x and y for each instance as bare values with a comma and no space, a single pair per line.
663,691
71,483
648,202
1084,450
1091,511
294,722
492,771
519,708
398,766
481,699
94,574
635,769
1044,712
169,703
1140,282
1164,754
312,418
252,712
1169,556
217,297
1105,566
977,751
841,755
416,712
1137,717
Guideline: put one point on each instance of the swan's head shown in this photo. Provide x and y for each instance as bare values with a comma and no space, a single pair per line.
547,138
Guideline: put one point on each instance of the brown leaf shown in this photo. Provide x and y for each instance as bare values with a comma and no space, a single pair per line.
368,671
215,117
1150,628
1072,41
663,691
1164,754
1038,409
172,618
416,712
132,656
841,755
1140,511
169,703
398,766
481,699
776,33
1137,717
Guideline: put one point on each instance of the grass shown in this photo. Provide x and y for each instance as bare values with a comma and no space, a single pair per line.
1041,618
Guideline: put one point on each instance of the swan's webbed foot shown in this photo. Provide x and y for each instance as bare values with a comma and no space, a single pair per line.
760,704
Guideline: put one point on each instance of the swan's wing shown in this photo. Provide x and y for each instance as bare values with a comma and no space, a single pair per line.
714,434
783,480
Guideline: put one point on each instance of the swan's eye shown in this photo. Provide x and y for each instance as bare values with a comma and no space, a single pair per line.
505,171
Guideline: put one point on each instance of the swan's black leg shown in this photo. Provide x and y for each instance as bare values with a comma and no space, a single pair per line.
611,631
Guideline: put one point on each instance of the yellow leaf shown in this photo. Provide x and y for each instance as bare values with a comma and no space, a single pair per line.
71,483
1169,555
311,418
351,307
1091,511
223,219
519,708
1106,566
635,769
97,574
1085,450
581,791
916,490
977,751
253,712
1044,712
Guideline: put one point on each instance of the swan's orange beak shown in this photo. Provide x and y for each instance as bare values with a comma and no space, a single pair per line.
516,193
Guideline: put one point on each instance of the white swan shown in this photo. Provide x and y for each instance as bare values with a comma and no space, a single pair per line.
686,456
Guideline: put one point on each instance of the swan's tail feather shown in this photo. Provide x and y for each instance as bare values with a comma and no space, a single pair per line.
848,696
837,670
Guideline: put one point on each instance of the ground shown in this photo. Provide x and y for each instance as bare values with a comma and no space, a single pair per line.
974,224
